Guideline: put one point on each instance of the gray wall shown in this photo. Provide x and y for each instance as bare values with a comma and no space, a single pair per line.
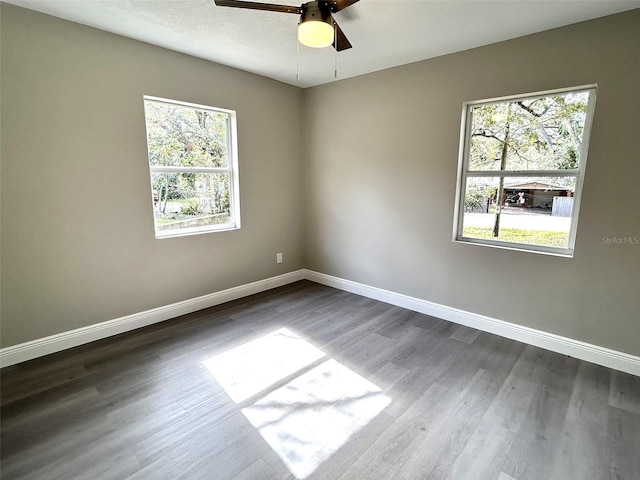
381,156
78,242
372,188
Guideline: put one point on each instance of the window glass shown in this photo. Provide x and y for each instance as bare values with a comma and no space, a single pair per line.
543,133
534,210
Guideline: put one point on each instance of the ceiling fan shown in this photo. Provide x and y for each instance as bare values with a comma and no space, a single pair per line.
317,28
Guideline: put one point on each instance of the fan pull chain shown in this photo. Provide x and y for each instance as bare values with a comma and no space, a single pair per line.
297,60
335,49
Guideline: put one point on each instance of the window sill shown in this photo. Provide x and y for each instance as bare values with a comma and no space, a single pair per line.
555,252
184,232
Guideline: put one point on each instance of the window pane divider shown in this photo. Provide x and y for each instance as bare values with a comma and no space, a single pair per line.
171,169
523,173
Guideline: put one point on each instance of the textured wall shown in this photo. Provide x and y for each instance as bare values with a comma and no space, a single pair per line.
381,155
78,243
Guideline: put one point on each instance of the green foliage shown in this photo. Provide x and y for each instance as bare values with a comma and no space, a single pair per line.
475,197
541,134
184,136
191,208
472,201
479,195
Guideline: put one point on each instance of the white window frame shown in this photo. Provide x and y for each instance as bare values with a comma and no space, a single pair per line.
231,170
464,172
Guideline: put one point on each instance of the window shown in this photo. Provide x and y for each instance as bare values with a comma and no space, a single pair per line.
193,167
521,169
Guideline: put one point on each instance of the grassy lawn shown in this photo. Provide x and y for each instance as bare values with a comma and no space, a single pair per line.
532,237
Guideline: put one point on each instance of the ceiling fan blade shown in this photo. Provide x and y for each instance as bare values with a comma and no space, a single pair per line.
337,5
341,42
271,7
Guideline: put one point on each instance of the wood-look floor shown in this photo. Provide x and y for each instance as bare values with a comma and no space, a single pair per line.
460,404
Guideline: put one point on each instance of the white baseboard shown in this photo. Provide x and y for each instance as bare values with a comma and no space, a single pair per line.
566,346
549,341
73,338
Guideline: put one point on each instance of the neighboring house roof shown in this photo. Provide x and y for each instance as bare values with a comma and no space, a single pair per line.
536,186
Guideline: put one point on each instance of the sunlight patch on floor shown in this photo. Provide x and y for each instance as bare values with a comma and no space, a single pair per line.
311,417
307,419
252,367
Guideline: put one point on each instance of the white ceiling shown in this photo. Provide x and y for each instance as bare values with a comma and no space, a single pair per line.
384,33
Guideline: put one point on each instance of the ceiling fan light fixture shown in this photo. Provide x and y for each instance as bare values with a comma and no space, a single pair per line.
315,34
315,29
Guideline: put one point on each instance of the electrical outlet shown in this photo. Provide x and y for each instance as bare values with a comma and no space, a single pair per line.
278,258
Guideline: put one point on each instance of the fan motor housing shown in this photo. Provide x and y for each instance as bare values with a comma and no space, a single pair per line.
313,11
